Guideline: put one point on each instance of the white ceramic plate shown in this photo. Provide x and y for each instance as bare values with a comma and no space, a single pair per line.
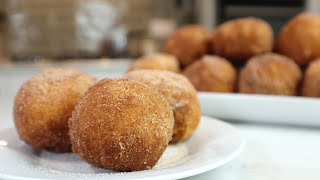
213,144
262,108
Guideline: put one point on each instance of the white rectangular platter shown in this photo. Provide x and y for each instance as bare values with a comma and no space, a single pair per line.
262,108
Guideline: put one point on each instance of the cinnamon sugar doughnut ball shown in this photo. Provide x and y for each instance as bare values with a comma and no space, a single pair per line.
121,125
311,82
270,74
188,43
212,73
300,38
242,38
44,104
181,96
159,61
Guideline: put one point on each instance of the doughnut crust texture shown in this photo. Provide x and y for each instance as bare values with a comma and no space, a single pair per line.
242,38
121,125
181,96
188,43
270,74
159,61
300,38
44,104
212,73
311,82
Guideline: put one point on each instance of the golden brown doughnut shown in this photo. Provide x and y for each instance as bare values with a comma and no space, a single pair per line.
212,73
121,125
44,104
242,38
158,61
270,74
188,43
311,82
300,38
181,96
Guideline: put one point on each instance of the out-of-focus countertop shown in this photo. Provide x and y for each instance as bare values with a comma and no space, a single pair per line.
96,66
272,152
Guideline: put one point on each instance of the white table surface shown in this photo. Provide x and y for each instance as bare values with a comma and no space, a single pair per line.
272,152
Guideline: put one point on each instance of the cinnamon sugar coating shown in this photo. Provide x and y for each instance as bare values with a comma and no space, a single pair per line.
299,39
188,43
270,74
242,38
311,81
121,125
181,96
44,104
212,73
158,61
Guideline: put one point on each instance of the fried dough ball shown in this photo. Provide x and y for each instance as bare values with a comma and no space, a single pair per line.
311,82
121,125
159,61
188,43
44,104
212,73
181,96
300,38
270,74
242,38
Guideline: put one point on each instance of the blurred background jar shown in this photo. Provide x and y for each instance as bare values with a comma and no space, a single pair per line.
63,29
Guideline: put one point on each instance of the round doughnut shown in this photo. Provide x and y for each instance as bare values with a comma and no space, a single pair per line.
270,74
188,43
181,96
311,82
121,125
159,61
242,38
212,73
300,38
44,104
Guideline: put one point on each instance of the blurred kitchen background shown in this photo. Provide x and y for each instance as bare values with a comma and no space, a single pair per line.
89,29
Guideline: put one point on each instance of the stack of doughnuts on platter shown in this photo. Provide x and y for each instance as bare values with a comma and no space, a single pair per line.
242,55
